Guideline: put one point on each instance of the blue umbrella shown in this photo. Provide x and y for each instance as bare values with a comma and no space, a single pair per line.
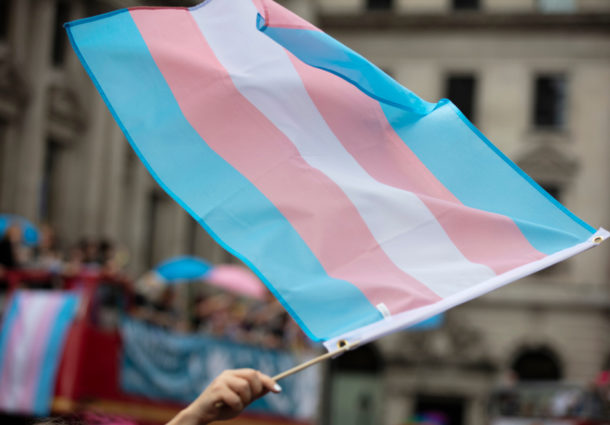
30,232
183,268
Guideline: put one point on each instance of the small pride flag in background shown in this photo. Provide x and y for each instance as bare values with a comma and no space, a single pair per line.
364,208
34,330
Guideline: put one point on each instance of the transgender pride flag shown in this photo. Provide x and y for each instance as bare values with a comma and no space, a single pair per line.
33,333
363,208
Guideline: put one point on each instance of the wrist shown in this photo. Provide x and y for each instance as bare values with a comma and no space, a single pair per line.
188,417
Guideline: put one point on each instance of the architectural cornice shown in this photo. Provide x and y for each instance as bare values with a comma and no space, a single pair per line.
66,117
582,22
14,91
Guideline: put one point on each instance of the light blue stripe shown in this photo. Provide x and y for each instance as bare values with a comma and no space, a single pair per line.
324,52
455,151
54,349
480,176
222,200
7,325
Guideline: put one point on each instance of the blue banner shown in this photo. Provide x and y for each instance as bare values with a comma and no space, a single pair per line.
167,366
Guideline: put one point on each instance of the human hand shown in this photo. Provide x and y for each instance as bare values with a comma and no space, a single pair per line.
226,397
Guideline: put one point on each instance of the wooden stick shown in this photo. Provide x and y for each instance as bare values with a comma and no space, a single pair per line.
312,362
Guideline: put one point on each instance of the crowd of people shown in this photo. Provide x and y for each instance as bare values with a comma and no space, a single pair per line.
194,307
189,307
46,255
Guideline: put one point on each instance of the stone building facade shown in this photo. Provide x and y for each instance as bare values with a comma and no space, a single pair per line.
63,160
533,75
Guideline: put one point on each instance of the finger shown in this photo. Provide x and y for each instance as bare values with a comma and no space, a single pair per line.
253,377
245,373
241,387
256,385
269,383
231,400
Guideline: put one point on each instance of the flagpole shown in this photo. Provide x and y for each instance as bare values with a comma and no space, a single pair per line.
343,347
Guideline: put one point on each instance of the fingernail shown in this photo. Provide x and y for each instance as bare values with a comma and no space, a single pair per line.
277,388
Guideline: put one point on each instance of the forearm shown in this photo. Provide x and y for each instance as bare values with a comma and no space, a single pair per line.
186,417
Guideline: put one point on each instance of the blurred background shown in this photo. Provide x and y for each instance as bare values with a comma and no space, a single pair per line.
533,76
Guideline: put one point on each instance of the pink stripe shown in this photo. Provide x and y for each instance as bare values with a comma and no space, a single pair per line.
346,248
37,351
280,17
360,124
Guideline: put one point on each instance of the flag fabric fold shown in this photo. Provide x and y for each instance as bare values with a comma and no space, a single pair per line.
362,207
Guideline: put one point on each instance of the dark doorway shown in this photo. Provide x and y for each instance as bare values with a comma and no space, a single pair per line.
379,4
537,364
445,410
465,4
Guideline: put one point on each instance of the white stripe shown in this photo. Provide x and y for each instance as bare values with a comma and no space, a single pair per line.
400,222
408,318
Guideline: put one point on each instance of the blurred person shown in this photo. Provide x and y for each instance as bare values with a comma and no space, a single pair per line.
11,254
75,260
271,322
108,257
164,313
47,255
91,254
234,329
294,338
213,313
147,289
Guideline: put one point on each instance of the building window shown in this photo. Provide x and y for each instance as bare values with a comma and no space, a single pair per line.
5,11
537,364
379,4
465,4
557,6
461,90
553,189
60,40
550,101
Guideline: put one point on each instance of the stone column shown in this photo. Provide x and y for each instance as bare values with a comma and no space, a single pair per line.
588,197
501,94
475,412
177,229
32,142
68,222
17,45
18,31
115,168
93,172
398,408
134,213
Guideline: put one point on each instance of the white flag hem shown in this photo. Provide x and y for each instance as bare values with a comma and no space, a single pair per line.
408,318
